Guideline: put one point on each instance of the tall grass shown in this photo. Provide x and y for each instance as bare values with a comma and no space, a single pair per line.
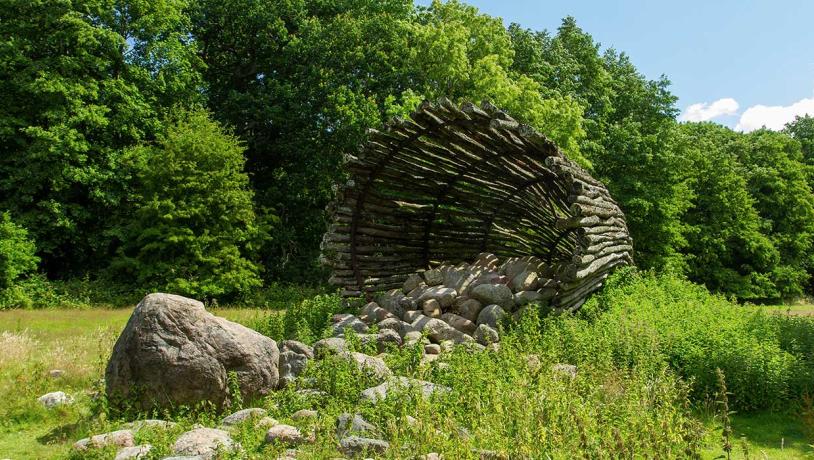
647,320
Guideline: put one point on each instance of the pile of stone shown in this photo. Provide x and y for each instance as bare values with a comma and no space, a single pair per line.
461,303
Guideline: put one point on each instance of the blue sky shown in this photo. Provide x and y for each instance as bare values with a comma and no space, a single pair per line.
741,63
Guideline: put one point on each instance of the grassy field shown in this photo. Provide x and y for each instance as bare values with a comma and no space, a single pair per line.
79,341
33,342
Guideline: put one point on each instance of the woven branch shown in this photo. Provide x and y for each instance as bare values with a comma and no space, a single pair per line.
453,182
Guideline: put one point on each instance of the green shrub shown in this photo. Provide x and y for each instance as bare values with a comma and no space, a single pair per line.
17,256
650,320
194,224
305,321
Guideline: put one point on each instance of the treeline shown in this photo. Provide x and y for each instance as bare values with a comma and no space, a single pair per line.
193,146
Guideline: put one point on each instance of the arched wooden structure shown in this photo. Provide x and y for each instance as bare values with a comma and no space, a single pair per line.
457,181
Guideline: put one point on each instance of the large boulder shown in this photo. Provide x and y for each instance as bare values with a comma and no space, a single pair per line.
173,352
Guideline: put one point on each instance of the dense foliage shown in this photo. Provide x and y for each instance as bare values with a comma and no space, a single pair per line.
17,252
91,88
193,226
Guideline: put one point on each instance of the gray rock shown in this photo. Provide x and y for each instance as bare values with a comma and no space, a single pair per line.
347,425
432,349
173,352
491,315
486,334
438,331
412,282
411,316
184,457
459,322
380,392
353,446
56,373
387,337
340,317
468,309
304,414
444,295
372,313
431,308
524,298
525,281
292,365
395,324
370,364
285,434
297,347
568,370
353,323
134,452
458,278
433,277
203,442
391,301
120,438
486,260
55,399
413,337
330,346
497,294
241,416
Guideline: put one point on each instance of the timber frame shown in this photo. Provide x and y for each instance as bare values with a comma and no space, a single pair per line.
456,181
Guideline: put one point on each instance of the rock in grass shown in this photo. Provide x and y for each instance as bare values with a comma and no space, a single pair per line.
353,446
284,434
203,442
373,313
241,416
173,352
55,399
370,364
297,347
568,370
439,331
380,392
291,365
304,414
120,438
347,425
56,373
486,334
133,453
397,325
330,346
353,323
432,349
491,315
459,322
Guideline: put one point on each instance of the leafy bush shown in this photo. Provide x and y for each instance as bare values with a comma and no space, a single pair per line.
647,320
194,223
17,256
305,321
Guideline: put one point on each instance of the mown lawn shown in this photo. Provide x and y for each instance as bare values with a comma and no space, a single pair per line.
78,341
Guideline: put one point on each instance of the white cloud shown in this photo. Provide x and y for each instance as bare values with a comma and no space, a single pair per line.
706,112
773,117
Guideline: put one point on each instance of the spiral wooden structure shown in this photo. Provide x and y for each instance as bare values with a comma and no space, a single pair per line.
453,182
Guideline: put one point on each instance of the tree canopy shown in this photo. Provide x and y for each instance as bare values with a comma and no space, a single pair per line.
101,106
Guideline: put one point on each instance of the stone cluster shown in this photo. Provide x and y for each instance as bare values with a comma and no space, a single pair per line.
462,303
